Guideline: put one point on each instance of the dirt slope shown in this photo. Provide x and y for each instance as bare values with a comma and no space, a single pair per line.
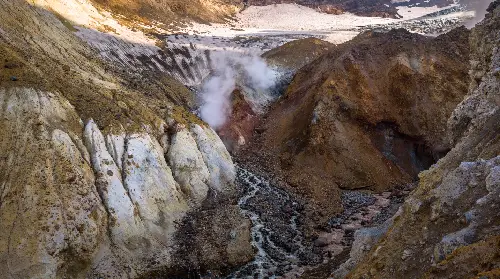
169,11
370,114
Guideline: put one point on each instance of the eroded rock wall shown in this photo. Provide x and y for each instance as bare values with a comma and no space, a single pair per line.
89,187
50,208
448,227
77,201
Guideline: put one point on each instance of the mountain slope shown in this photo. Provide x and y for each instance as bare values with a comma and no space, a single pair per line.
99,165
168,11
449,226
379,8
369,114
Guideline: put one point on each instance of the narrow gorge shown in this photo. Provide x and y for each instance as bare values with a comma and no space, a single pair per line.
249,139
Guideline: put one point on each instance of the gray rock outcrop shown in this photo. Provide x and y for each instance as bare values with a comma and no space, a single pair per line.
449,226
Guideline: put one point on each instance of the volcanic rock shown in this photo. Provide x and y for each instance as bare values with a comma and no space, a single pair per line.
98,166
451,221
369,114
241,123
286,60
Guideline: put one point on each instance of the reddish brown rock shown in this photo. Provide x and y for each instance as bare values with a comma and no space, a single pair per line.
287,59
370,114
241,123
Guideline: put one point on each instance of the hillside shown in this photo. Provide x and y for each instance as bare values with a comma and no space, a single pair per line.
99,164
363,116
248,139
456,202
379,8
168,11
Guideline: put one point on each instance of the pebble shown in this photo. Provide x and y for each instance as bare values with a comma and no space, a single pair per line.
13,78
360,209
406,254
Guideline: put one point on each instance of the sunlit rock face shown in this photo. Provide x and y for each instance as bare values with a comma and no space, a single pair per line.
125,35
92,181
188,166
50,207
75,200
216,157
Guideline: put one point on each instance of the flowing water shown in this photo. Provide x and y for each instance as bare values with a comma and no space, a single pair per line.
276,236
280,246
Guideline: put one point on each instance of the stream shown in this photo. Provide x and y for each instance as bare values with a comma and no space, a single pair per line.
275,216
281,250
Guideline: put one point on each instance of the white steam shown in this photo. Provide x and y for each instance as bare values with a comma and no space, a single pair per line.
249,72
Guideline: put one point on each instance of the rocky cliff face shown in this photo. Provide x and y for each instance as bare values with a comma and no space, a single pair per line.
77,201
370,114
448,227
99,169
106,172
132,36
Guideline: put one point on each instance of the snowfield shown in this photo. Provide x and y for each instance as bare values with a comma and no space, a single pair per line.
253,31
261,28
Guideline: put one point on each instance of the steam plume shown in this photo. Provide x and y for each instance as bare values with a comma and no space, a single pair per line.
250,72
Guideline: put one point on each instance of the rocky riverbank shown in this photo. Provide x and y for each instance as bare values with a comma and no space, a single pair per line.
278,228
